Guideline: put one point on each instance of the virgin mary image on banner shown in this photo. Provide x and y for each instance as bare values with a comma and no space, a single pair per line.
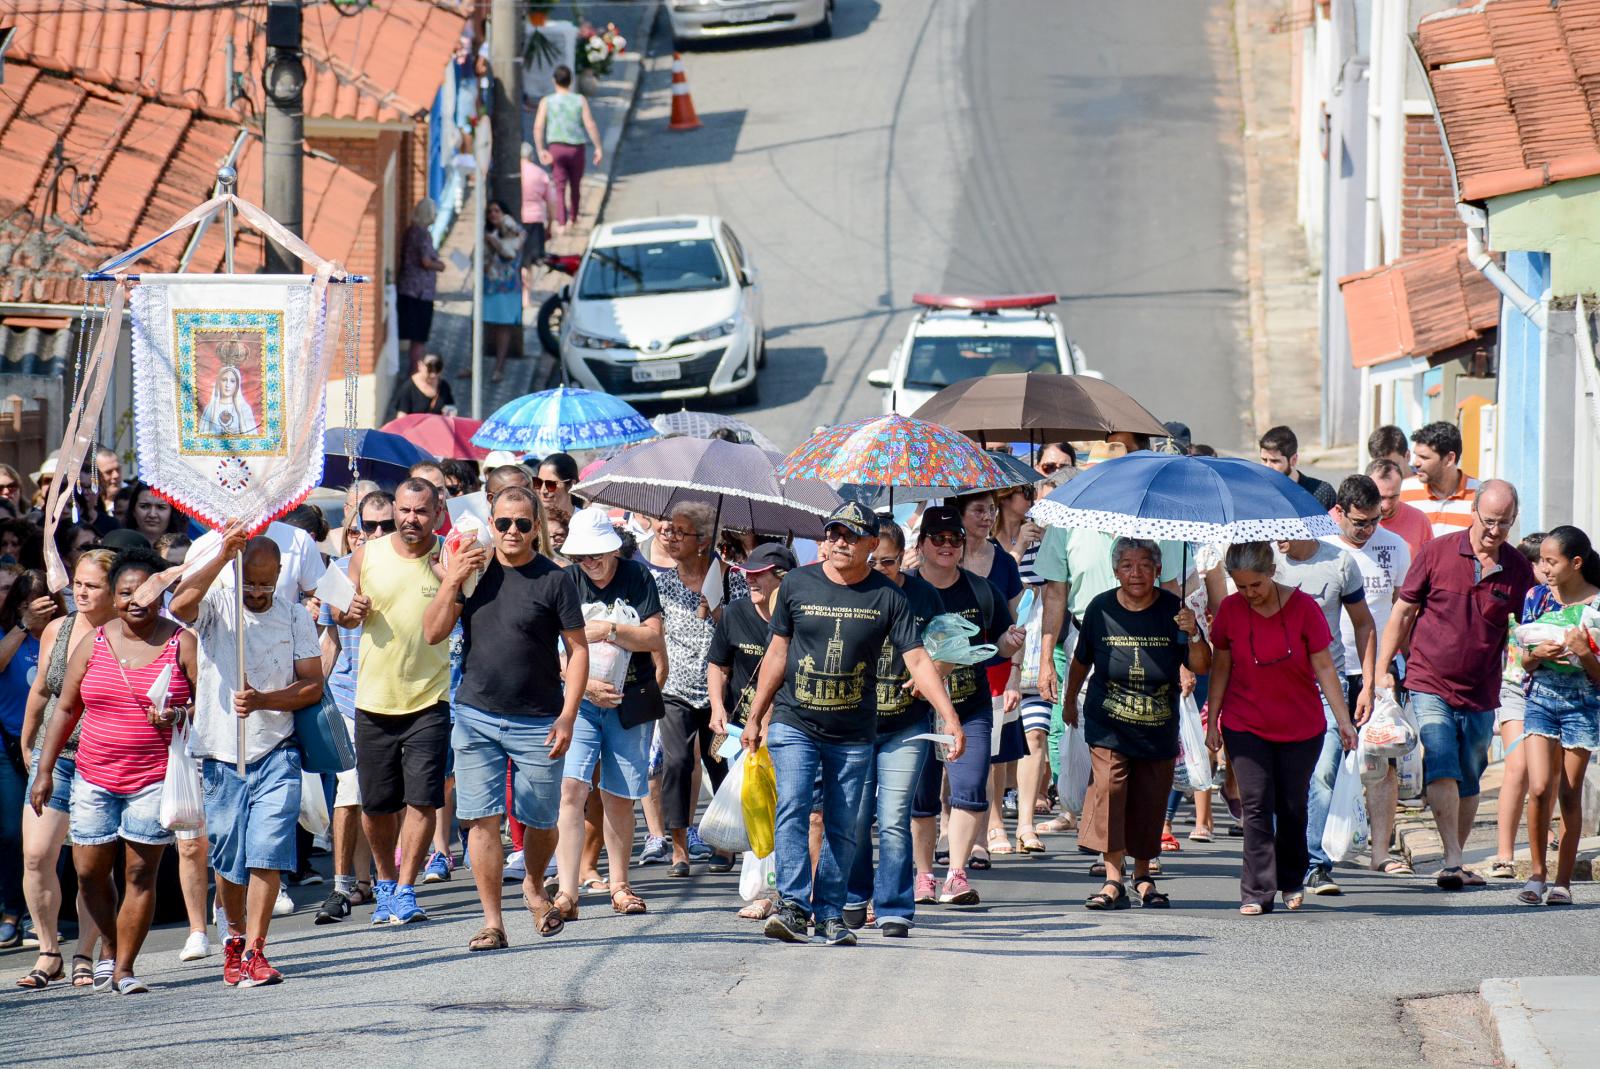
228,411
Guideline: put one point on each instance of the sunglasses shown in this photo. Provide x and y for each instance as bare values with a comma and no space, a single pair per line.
1050,467
553,485
880,562
947,539
583,558
503,523
9,488
841,534
373,527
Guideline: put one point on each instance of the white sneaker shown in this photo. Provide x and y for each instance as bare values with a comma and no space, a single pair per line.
196,947
516,866
284,905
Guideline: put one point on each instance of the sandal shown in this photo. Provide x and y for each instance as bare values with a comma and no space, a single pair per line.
1199,836
82,975
624,901
131,985
1501,869
38,979
547,919
1058,825
1398,866
1042,808
1558,896
999,842
488,939
1155,866
979,861
1116,898
569,910
1532,894
1152,898
594,886
1170,843
1471,879
104,970
1449,879
759,910
1029,844
1251,909
1098,869
360,894
1293,900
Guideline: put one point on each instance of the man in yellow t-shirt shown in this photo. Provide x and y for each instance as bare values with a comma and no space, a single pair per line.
402,697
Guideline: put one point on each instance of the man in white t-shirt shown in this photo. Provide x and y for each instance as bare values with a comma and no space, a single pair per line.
1384,559
250,820
302,564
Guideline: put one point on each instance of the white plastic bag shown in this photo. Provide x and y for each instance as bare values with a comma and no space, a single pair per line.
1192,743
313,804
1374,766
608,662
1075,768
1031,612
758,877
1390,731
1346,830
183,806
1409,772
723,823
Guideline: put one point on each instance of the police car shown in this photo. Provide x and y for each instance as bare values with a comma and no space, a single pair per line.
954,338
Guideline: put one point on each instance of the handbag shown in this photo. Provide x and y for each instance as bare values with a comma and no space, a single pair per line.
324,737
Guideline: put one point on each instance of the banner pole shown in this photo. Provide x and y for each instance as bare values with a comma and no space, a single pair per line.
227,178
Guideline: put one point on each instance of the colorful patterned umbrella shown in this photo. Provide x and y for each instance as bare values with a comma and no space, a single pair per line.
915,457
562,420
443,436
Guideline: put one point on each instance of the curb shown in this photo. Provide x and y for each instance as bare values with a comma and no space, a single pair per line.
1513,1020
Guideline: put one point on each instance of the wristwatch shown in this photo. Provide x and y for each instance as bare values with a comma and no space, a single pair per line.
612,637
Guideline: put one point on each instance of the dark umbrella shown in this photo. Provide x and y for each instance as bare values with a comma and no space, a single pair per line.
384,458
739,481
1039,407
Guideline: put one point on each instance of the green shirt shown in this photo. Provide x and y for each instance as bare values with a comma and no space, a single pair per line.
1083,558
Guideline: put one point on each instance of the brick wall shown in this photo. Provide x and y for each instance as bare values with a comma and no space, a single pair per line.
367,157
1428,210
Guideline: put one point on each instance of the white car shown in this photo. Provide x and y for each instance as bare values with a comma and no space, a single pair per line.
701,20
663,309
955,338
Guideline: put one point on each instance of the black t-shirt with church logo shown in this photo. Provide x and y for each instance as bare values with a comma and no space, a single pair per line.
1131,705
897,709
969,683
737,645
836,634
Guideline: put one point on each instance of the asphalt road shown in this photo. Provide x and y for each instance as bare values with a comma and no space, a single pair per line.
1028,978
1081,148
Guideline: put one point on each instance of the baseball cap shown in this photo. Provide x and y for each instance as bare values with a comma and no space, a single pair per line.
1179,433
853,518
499,459
942,518
767,556
590,532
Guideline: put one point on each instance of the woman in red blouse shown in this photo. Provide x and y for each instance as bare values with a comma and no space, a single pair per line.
122,758
1270,644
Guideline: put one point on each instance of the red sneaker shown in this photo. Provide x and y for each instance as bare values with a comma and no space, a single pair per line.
258,972
233,960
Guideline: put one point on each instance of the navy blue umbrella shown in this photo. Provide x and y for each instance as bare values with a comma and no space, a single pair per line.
1187,499
384,458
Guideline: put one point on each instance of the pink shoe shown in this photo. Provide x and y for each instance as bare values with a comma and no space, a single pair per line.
925,891
957,891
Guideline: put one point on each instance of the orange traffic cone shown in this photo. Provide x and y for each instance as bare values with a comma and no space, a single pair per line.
683,116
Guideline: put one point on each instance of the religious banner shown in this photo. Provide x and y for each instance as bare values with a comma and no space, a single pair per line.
228,379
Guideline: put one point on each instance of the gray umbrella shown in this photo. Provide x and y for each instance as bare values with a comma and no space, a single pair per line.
737,480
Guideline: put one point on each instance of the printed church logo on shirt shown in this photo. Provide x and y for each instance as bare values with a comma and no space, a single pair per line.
1129,698
832,687
892,697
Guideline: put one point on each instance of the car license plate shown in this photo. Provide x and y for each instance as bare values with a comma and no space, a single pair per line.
749,15
656,373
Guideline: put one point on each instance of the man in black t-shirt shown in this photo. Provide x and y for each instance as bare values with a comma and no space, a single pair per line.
818,681
514,702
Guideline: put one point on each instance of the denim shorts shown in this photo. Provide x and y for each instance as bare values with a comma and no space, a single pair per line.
60,784
99,816
1455,742
969,773
483,743
1564,706
623,754
251,822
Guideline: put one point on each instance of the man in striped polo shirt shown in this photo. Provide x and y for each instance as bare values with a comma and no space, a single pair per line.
1440,490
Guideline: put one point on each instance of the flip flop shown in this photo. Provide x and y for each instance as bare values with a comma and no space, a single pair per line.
1170,844
1200,837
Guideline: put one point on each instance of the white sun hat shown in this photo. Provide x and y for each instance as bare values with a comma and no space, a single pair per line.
590,532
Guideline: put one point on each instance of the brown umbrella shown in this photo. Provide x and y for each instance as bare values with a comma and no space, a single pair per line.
1038,407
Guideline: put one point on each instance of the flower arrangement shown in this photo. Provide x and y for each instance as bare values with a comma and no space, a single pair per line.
598,48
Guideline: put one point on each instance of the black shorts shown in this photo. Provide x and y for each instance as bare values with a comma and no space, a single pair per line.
400,759
532,243
414,317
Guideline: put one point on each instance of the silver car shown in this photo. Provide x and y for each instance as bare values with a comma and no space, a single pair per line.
703,20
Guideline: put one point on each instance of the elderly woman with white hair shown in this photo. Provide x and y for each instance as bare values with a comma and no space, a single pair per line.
688,533
414,288
1135,636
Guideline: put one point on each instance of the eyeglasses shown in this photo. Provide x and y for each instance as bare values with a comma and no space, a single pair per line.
1496,525
553,485
373,527
880,562
672,534
841,534
503,523
584,558
1362,525
258,589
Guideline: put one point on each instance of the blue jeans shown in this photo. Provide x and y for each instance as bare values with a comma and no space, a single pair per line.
12,791
796,758
886,790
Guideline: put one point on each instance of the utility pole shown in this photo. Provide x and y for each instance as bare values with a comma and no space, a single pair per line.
283,128
505,113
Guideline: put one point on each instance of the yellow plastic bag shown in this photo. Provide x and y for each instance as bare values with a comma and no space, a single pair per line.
759,799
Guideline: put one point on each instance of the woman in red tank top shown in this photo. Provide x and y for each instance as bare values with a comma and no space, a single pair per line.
122,757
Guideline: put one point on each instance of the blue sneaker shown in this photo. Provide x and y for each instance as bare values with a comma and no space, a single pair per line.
699,849
656,850
438,868
404,906
383,890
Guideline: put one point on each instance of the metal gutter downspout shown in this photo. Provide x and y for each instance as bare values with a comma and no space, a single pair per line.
1477,222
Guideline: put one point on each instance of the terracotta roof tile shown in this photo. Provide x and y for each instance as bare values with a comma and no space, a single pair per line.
391,57
1517,83
154,162
1417,306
